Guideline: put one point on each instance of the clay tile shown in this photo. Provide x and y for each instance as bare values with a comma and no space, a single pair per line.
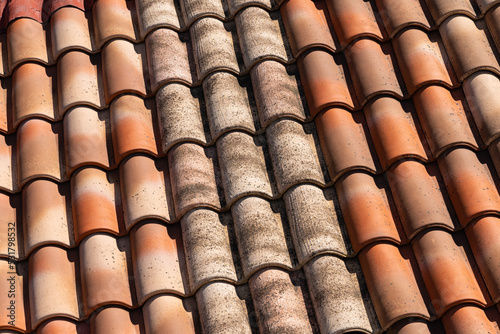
25,42
441,9
8,170
208,252
483,237
326,81
12,277
338,298
313,220
105,275
113,19
5,105
38,150
366,210
276,92
279,303
145,190
294,154
470,319
124,65
10,226
397,15
170,314
443,116
116,320
491,18
413,325
192,175
394,289
158,260
57,4
469,184
63,325
86,133
79,81
307,26
418,197
33,93
47,215
179,116
481,92
227,103
69,28
192,10
4,67
353,19
422,59
260,36
175,67
213,47
25,8
132,126
393,130
221,310
259,231
344,142
468,46
237,5
494,150
373,70
243,166
95,203
48,266
485,5
156,13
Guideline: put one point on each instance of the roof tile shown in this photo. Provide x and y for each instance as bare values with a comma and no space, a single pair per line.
441,9
170,314
17,275
69,29
462,320
237,5
8,169
115,320
484,5
152,14
63,325
26,42
10,222
397,15
494,150
113,19
193,10
5,105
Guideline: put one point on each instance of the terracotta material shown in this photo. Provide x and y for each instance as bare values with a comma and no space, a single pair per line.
484,5
113,19
167,313
69,28
5,122
342,135
25,42
132,126
462,320
116,320
441,9
237,5
7,272
9,226
366,211
95,203
145,192
408,326
494,150
193,10
62,325
8,170
397,15
153,13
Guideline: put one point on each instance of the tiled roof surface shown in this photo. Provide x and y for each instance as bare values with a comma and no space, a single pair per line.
248,166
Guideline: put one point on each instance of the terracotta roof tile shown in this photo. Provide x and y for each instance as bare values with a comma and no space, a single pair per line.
441,9
26,41
69,31
182,315
237,5
113,19
152,14
484,5
193,10
397,15
470,318
114,319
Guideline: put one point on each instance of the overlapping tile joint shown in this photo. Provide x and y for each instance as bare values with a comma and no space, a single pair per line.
250,166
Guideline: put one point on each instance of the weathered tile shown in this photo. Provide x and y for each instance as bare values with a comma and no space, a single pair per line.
441,9
69,27
113,19
152,14
397,15
195,9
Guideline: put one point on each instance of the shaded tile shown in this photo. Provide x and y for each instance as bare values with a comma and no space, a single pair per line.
51,267
46,215
116,320
227,103
117,56
207,248
63,325
494,150
418,197
193,9
145,191
260,36
5,105
467,319
279,303
171,314
294,154
484,5
179,116
394,289
8,169
443,116
86,133
11,233
192,175
307,26
69,27
132,126
38,152
243,166
113,19
276,92
158,260
344,141
397,15
441,9
393,130
373,70
339,300
222,310
79,81
260,234
469,184
415,325
95,202
156,13
105,277
26,41
213,47
4,61
468,46
33,93
13,277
